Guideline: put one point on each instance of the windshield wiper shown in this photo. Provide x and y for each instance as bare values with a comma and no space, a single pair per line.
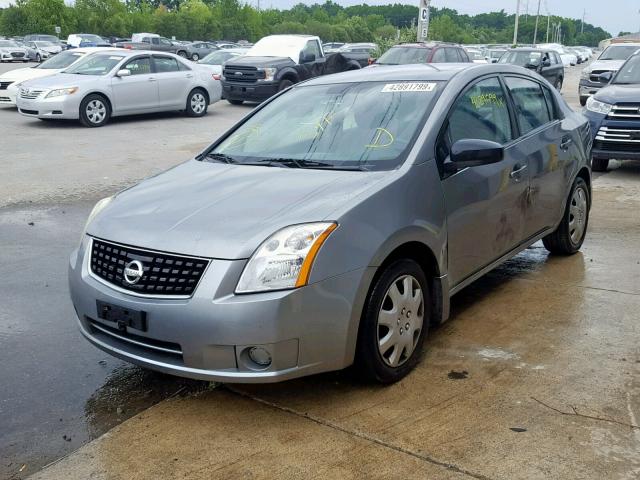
218,157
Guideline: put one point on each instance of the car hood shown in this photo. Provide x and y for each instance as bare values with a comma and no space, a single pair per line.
610,65
224,211
22,74
619,94
61,80
260,62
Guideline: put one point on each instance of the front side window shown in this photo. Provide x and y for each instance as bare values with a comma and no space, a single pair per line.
311,48
404,56
166,64
366,125
530,103
164,41
482,113
139,66
97,64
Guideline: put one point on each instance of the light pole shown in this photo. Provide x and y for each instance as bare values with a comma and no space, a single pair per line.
535,31
515,30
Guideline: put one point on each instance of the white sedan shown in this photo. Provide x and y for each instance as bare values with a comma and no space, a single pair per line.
118,82
10,81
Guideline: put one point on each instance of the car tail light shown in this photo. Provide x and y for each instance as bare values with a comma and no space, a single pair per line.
370,61
128,47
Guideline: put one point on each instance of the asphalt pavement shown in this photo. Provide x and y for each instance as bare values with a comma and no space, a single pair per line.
534,376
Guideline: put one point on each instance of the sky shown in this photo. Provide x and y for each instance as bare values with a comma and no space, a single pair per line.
612,15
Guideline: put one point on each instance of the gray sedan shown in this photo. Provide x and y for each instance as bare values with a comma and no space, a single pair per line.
198,50
333,224
120,82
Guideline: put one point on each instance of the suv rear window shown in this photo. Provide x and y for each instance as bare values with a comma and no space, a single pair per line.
404,56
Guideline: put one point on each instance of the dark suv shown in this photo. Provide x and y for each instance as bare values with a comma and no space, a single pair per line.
545,62
407,53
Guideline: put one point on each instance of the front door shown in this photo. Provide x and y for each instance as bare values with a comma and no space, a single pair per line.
485,205
137,92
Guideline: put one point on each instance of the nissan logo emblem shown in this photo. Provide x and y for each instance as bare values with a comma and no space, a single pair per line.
133,272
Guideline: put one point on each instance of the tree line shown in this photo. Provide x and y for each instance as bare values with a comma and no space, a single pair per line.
233,20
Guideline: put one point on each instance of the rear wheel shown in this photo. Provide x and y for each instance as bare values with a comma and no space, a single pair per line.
394,323
95,111
599,164
583,101
235,102
568,237
558,84
197,103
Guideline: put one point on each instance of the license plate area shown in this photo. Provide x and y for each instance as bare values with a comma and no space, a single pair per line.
122,317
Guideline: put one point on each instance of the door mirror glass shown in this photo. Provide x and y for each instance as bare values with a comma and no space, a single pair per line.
307,57
125,72
605,77
475,152
546,62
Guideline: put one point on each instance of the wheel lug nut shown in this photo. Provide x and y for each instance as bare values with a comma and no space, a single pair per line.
407,326
401,331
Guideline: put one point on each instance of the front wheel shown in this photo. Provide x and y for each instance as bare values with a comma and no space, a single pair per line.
599,164
95,111
394,323
197,103
195,57
583,101
558,84
568,237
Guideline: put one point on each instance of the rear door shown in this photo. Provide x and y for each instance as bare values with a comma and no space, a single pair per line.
173,82
139,91
546,146
484,204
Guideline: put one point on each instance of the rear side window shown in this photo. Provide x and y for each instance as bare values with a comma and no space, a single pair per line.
166,64
530,103
439,56
464,58
451,55
481,113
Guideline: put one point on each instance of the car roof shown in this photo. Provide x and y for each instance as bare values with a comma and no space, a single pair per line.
423,72
528,49
425,44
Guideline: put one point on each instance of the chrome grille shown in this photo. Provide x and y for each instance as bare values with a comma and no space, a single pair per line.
30,94
17,54
595,75
625,110
619,135
242,74
164,274
5,99
5,85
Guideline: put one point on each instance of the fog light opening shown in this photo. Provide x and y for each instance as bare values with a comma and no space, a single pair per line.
260,356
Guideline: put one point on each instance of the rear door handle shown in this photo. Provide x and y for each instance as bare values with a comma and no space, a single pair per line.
517,170
566,143
189,75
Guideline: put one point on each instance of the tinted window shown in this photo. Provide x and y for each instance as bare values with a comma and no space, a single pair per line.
404,56
630,72
530,103
451,55
139,66
439,56
166,64
481,113
551,104
311,47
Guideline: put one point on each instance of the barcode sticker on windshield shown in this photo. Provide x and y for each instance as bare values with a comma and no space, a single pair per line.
409,87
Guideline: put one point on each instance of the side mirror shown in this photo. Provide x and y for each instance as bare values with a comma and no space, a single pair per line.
307,57
546,62
605,77
125,72
532,66
475,152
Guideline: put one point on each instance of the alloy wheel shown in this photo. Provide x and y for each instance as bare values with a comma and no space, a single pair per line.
577,215
400,320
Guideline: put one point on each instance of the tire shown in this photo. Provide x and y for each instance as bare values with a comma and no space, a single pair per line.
558,84
235,102
195,57
284,84
182,53
197,103
599,164
387,361
568,237
38,58
583,101
95,111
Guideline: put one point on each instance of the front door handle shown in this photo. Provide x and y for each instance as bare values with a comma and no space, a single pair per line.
517,170
152,79
566,143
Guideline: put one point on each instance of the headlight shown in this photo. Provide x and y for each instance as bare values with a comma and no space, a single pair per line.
594,105
585,74
285,259
96,210
269,74
62,91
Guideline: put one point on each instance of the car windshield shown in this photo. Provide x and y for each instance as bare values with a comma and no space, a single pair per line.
404,56
521,59
91,38
7,43
629,73
43,44
218,57
618,52
61,60
97,64
359,126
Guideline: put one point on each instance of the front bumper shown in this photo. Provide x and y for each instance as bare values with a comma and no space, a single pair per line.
8,95
63,107
587,88
8,57
207,336
612,146
256,92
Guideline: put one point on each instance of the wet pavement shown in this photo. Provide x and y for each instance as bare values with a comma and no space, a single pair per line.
535,376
